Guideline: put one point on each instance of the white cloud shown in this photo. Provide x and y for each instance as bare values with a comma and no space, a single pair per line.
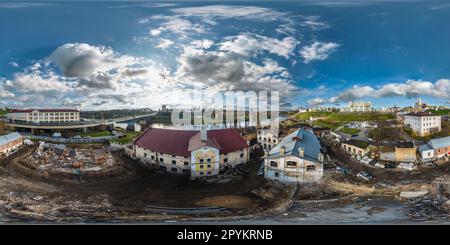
13,64
318,51
228,11
164,43
314,23
246,44
408,89
155,32
175,24
202,44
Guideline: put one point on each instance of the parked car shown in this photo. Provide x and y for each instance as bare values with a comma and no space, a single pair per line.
77,137
56,135
364,175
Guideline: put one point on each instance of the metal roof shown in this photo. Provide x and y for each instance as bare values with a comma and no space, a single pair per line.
5,139
440,142
299,138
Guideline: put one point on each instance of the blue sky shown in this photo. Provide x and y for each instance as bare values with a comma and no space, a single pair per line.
116,54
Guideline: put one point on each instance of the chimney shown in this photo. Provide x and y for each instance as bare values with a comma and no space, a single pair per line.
203,134
301,151
282,150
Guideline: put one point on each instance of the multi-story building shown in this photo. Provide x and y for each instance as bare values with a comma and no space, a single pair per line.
358,107
45,115
10,142
422,123
400,152
297,158
191,152
267,139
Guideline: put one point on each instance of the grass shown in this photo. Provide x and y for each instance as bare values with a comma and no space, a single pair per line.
443,112
334,120
128,138
96,134
350,131
358,143
3,112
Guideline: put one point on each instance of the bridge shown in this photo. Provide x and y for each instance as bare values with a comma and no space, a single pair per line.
72,125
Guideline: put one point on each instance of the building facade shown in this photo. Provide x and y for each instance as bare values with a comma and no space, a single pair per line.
267,139
358,107
45,115
10,142
296,159
194,153
356,147
422,123
435,149
404,152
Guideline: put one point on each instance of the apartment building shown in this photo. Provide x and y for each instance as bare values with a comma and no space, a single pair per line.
296,159
358,107
44,115
422,123
267,139
191,152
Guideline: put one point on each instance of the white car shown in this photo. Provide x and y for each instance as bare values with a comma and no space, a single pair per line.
364,175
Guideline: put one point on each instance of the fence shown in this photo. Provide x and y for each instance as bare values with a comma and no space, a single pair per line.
69,140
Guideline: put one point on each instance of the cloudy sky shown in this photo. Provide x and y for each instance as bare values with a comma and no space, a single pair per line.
143,54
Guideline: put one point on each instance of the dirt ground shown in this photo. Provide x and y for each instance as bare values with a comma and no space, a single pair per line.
132,197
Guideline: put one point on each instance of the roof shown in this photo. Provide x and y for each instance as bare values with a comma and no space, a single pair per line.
357,143
425,147
177,142
5,139
420,114
292,142
440,142
196,142
43,110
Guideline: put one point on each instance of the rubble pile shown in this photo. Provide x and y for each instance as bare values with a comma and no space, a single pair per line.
63,158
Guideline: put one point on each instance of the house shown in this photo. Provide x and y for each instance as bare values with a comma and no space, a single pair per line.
10,142
422,123
441,146
267,139
356,147
191,152
399,152
44,115
435,148
296,159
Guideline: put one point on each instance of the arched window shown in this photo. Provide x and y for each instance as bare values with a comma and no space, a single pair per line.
291,163
311,168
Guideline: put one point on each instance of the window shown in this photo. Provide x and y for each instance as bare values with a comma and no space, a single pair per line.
209,160
145,154
291,164
173,156
174,170
209,166
153,157
225,159
201,160
161,159
276,174
174,162
310,168
242,155
201,173
273,164
186,163
201,166
208,173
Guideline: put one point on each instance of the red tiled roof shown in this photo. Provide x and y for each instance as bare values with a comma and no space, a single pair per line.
176,142
43,110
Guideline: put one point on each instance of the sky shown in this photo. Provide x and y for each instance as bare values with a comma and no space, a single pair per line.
113,54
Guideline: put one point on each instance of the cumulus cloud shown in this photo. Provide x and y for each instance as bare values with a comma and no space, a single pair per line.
164,43
228,11
318,51
202,44
408,89
245,44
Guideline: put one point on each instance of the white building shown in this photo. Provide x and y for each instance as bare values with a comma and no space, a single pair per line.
45,115
267,139
422,123
435,148
191,152
358,107
298,158
10,142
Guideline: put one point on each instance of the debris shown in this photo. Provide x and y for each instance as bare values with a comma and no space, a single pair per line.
413,194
